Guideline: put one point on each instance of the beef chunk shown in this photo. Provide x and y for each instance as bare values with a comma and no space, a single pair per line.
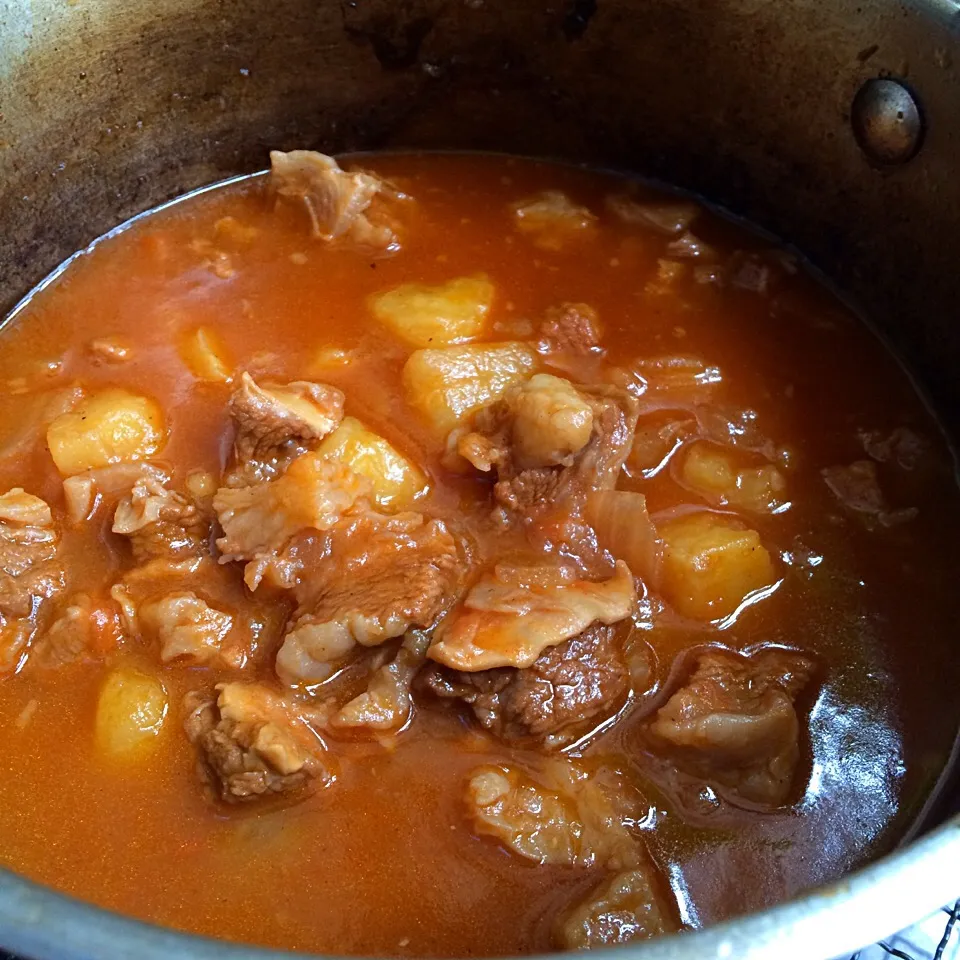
595,466
260,521
529,492
552,423
82,630
338,202
567,686
160,523
276,423
571,328
901,446
733,723
28,549
510,617
383,575
856,486
252,743
563,816
544,422
552,445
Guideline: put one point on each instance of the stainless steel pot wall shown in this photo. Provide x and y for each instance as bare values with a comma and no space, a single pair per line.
108,108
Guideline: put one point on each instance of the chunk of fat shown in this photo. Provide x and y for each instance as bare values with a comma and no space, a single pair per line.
630,906
562,816
337,201
501,624
551,219
25,518
15,635
85,492
387,703
552,422
186,626
261,519
313,648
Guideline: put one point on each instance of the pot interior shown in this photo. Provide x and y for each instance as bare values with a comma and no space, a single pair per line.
110,110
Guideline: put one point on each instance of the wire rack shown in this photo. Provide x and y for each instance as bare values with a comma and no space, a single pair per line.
935,938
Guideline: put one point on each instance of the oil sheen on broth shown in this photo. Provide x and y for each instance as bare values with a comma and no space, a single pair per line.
672,507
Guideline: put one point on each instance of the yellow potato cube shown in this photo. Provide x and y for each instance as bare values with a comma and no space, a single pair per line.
449,384
130,714
425,316
395,480
709,563
712,472
204,353
111,426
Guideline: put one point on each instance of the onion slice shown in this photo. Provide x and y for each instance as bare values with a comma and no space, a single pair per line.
624,528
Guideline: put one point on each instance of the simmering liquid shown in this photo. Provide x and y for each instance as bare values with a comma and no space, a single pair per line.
718,338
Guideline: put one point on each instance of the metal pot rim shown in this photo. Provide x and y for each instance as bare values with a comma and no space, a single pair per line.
840,918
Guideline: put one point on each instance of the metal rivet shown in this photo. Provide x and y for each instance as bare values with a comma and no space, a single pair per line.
886,121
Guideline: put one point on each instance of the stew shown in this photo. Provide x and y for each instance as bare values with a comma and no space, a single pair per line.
456,554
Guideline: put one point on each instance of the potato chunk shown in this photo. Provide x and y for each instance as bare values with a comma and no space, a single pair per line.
396,482
205,355
111,426
710,562
130,713
713,472
453,312
451,383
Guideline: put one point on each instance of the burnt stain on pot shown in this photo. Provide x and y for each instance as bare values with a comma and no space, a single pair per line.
578,18
394,36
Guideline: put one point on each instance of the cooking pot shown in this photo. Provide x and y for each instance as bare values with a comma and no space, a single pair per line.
835,126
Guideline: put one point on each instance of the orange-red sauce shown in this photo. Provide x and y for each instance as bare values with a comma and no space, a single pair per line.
384,862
